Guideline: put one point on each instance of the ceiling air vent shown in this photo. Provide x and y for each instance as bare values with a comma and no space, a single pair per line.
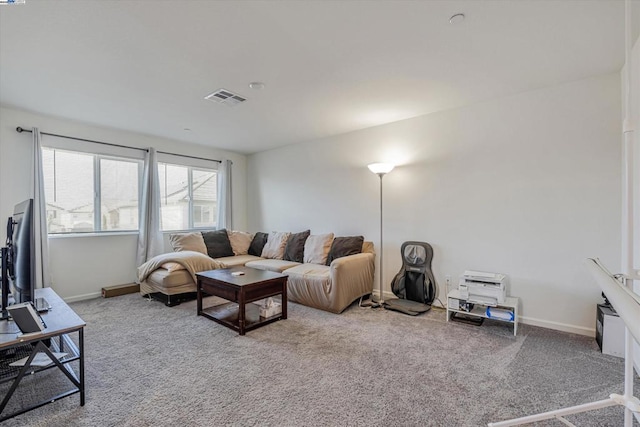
224,96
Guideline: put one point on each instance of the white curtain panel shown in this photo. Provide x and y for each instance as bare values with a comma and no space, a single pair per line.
150,240
224,195
43,275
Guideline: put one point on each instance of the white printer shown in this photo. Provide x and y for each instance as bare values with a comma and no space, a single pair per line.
483,288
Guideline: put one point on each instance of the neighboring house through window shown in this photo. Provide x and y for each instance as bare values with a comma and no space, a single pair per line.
188,197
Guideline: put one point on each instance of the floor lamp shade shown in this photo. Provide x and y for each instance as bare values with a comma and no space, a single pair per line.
381,169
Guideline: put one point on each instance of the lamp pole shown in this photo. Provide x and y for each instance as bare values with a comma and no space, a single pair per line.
381,297
381,169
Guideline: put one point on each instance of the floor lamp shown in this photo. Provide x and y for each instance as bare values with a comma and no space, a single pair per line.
380,169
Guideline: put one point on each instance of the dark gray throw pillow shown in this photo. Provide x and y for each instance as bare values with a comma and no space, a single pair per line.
294,251
344,246
258,242
217,243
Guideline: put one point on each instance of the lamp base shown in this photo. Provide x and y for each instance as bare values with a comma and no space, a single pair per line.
377,302
369,303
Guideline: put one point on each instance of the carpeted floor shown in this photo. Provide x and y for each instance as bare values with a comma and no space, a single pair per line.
150,365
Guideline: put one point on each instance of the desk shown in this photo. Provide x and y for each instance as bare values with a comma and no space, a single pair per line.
61,321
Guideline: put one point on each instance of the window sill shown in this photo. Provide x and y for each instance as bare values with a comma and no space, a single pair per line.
193,230
101,234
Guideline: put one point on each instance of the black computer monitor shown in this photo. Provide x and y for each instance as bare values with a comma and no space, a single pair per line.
20,257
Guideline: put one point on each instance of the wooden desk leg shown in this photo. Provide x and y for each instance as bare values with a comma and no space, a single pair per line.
241,312
284,299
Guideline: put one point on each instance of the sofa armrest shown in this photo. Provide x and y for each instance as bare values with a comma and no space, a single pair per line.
353,275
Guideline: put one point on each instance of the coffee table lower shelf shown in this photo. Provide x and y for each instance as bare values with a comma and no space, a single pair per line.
227,314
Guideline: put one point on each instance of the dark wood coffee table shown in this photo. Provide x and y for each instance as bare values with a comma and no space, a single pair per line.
253,285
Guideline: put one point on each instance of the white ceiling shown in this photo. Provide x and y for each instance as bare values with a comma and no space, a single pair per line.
329,66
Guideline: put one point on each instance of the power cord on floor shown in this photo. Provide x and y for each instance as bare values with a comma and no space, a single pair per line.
372,304
441,306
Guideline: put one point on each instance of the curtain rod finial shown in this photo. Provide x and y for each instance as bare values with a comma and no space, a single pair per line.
19,129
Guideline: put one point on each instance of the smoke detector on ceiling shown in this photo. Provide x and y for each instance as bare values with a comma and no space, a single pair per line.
226,97
256,85
458,18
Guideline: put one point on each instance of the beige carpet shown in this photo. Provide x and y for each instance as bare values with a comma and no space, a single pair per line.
150,365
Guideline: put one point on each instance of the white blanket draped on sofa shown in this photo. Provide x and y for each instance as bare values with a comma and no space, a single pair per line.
193,262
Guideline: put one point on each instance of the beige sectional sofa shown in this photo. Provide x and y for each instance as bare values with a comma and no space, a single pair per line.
330,287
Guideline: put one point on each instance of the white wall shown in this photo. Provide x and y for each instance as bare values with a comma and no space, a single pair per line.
634,91
634,115
527,185
81,266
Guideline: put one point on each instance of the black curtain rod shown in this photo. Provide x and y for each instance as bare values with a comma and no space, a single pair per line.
21,129
189,157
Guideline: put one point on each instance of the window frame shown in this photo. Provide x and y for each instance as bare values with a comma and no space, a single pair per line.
190,207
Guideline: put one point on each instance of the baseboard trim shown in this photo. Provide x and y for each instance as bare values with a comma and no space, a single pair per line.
83,297
564,327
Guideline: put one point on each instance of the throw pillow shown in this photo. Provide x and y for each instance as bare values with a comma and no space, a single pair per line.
367,248
345,246
294,251
316,248
274,249
240,241
217,243
257,244
188,242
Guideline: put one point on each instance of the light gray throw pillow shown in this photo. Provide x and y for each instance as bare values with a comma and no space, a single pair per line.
188,242
316,248
274,249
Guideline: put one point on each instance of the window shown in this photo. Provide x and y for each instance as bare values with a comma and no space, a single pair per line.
188,197
90,192
119,194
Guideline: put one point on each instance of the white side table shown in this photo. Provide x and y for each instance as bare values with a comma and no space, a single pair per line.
480,310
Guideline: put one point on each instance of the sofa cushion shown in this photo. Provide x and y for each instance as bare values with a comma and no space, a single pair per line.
312,275
294,251
237,260
164,279
277,265
188,242
240,241
274,249
345,246
217,243
316,248
257,244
